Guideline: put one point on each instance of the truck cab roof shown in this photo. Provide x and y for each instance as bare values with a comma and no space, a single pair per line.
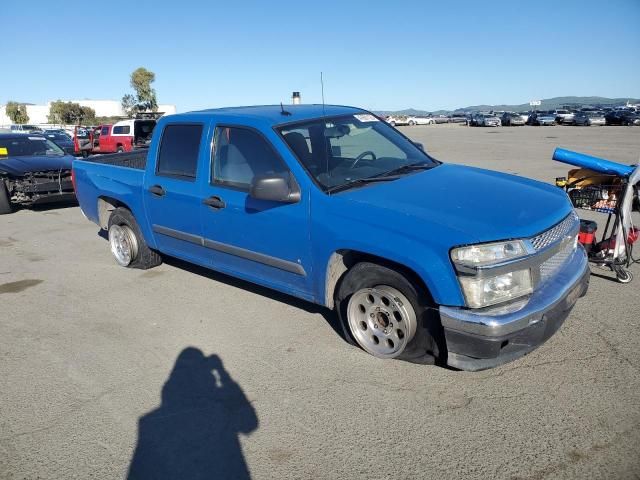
272,114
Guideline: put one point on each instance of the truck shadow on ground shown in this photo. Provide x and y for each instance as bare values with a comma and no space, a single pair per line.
194,434
329,315
47,207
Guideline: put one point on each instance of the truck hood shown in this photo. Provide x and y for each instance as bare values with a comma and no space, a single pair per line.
18,166
470,204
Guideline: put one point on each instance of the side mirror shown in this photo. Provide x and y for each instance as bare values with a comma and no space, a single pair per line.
275,188
419,145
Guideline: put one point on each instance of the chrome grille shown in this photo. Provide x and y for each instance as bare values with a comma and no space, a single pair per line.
556,233
553,264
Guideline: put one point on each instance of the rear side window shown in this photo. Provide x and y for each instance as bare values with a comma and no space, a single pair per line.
122,130
179,151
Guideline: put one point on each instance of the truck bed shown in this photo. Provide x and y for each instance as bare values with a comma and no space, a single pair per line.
136,159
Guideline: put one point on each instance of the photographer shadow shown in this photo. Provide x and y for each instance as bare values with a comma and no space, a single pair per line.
194,433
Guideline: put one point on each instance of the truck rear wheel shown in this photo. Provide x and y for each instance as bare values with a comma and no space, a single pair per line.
383,313
5,200
127,243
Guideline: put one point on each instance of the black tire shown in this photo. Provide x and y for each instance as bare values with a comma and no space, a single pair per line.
85,154
145,257
5,201
119,149
624,276
428,345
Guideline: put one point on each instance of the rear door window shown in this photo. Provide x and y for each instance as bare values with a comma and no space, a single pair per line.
179,150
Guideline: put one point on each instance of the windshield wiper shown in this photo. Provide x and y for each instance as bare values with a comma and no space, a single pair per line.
360,181
406,168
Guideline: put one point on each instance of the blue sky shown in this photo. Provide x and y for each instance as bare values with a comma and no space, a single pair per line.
378,55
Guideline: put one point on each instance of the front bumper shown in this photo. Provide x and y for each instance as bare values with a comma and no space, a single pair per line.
485,338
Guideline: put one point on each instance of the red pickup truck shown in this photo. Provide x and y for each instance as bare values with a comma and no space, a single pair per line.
122,136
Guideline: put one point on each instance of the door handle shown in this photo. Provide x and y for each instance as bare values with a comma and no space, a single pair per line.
157,190
214,202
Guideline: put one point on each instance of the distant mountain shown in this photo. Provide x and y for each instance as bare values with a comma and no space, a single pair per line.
546,104
408,112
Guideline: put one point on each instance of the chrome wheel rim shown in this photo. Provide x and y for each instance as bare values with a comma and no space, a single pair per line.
124,245
382,320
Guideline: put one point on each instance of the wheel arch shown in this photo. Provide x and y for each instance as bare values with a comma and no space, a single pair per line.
342,260
106,205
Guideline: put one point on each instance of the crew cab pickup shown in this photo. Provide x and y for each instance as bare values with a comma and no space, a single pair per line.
422,260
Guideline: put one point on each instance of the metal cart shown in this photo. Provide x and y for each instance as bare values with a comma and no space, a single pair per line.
610,188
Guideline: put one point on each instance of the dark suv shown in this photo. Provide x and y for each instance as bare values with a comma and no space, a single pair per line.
622,117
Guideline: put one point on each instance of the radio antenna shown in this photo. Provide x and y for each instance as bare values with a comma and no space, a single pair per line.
322,90
283,111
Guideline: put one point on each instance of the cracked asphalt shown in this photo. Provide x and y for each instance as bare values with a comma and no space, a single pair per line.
106,372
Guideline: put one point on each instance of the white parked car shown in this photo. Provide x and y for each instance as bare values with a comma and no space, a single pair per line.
564,116
396,121
420,121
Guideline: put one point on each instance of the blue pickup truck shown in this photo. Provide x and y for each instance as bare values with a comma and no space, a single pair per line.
422,261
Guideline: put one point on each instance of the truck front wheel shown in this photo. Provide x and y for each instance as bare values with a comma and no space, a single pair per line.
127,243
382,312
5,200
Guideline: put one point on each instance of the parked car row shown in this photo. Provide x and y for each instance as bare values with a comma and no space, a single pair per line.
401,120
122,136
585,117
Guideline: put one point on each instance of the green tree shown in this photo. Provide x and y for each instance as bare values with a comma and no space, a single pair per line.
88,116
70,113
129,105
17,112
145,97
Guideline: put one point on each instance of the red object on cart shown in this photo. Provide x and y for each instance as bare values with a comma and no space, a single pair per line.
610,243
587,235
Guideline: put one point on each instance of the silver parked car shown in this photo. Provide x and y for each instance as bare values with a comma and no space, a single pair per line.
488,120
541,118
510,119
589,118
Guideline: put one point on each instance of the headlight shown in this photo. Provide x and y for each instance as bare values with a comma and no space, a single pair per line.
486,291
487,253
479,286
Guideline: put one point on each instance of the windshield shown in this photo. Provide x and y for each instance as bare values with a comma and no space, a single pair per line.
30,146
341,150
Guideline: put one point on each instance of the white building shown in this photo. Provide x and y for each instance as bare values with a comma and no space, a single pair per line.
104,108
